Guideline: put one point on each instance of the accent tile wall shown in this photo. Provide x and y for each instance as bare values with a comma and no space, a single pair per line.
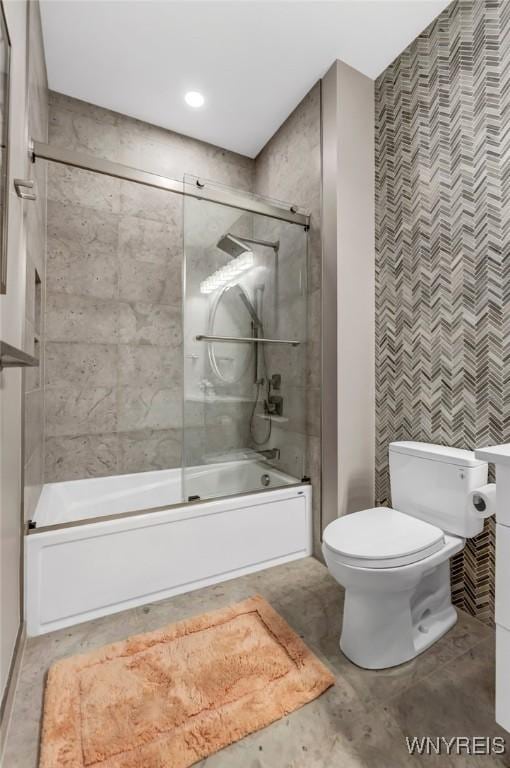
443,246
113,382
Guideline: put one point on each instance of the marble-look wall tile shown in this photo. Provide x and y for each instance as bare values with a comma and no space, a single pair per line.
293,450
82,251
73,458
80,133
79,410
84,188
81,274
192,445
212,443
90,365
153,407
194,415
149,449
227,413
160,151
144,365
82,228
290,362
291,319
59,101
146,202
301,408
149,282
145,323
289,168
92,130
81,319
159,242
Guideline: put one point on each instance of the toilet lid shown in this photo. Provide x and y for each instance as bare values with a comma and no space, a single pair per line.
382,538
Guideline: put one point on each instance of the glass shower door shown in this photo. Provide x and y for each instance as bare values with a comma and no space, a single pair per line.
245,345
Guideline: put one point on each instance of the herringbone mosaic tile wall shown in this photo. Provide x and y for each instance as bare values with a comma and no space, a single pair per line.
443,252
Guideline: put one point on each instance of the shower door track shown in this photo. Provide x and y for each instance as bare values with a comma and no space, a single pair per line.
200,190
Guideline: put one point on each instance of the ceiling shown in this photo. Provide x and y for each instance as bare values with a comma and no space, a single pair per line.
253,61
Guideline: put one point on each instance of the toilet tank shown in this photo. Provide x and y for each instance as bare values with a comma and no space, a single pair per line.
432,482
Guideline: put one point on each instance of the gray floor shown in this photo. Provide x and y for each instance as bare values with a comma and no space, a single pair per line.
361,721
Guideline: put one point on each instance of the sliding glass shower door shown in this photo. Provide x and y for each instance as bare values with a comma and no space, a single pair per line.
245,349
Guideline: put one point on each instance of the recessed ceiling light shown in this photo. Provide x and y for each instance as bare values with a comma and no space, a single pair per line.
194,99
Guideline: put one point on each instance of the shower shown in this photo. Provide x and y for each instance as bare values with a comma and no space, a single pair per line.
235,247
245,327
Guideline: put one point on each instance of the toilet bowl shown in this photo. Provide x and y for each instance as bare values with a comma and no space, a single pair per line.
395,563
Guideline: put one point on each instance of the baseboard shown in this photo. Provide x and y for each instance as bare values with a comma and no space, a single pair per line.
10,688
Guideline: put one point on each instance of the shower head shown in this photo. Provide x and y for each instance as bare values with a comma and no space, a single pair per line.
231,245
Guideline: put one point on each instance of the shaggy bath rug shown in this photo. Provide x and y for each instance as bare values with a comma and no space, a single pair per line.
169,698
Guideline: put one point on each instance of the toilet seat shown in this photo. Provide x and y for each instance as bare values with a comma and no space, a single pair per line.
382,538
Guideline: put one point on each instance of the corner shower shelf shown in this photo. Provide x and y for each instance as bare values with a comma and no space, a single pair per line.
12,357
217,399
247,340
269,417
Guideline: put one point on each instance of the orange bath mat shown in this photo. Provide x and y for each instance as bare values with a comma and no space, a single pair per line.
172,697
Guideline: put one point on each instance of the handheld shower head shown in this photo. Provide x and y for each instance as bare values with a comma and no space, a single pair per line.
251,309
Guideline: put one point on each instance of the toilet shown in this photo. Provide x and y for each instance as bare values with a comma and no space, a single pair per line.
394,563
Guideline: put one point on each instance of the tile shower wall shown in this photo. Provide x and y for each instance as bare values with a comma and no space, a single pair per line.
113,380
443,247
289,168
35,227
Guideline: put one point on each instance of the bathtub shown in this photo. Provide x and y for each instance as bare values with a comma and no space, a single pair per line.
103,545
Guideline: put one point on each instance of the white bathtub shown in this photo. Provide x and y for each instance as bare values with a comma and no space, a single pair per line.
93,552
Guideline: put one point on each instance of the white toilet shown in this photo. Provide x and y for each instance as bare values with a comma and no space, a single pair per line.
395,563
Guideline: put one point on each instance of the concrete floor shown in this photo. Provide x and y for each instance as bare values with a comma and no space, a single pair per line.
361,721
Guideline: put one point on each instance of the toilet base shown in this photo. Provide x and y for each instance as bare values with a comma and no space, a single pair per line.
385,630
